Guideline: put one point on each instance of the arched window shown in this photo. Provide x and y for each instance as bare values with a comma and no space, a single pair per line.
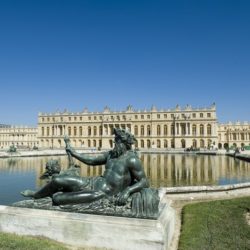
100,130
194,129
148,144
142,144
172,129
202,143
172,143
148,130
95,130
142,130
136,130
75,131
53,130
234,136
201,129
165,143
94,143
158,143
242,136
194,143
80,131
209,129
89,130
89,143
158,130
47,131
183,143
42,131
69,131
209,143
165,129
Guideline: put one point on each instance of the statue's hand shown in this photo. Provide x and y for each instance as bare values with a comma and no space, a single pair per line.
122,198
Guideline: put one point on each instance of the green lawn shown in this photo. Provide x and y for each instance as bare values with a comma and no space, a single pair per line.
216,225
12,241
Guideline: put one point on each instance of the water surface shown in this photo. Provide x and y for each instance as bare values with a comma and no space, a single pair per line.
163,170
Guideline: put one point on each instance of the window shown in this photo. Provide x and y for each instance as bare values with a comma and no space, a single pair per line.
158,116
136,116
80,131
80,118
124,117
89,118
158,130
165,116
89,130
95,130
165,129
194,129
172,115
47,131
209,129
208,115
69,118
61,119
75,118
142,130
142,116
148,116
201,115
94,117
194,115
201,129
75,131
136,130
182,116
148,130
48,119
69,131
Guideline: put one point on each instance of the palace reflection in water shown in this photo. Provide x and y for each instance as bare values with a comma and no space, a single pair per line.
163,170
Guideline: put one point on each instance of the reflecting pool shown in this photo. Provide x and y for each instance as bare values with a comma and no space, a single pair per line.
163,170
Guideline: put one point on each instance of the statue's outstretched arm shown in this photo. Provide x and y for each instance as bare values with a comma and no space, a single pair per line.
89,159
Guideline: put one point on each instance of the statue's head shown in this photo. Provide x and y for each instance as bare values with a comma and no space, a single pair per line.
52,167
124,136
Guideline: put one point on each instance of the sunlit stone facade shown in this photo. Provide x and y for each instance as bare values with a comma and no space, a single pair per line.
162,129
20,136
234,134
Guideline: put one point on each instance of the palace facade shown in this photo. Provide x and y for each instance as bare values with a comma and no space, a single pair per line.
19,136
234,135
162,129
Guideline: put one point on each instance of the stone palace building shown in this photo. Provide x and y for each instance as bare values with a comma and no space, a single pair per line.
154,129
19,136
172,128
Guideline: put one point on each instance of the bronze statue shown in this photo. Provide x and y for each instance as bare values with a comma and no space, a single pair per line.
123,176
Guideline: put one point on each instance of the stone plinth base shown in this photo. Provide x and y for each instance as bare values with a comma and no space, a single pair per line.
84,230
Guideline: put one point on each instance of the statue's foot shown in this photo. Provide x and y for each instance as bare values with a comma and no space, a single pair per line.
28,193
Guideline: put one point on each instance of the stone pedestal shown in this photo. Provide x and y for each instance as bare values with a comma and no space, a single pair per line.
84,230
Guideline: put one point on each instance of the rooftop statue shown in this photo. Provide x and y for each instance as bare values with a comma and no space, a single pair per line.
123,182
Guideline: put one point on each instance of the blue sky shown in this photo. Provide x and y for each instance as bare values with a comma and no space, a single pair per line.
75,54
